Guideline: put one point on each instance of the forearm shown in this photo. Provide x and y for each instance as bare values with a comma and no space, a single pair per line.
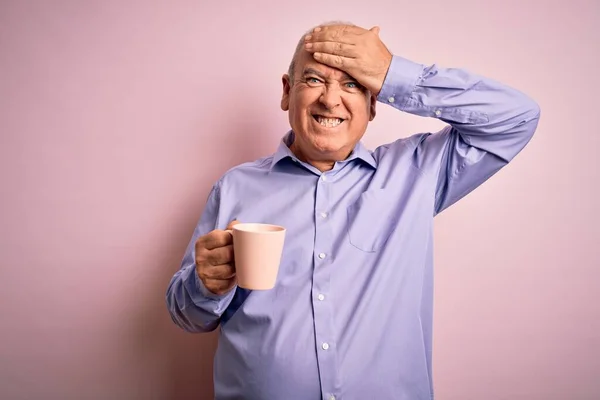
487,114
191,305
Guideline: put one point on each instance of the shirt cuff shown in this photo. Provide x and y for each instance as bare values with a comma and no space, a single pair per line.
400,82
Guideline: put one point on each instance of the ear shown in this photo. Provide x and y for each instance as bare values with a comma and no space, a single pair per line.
285,97
372,108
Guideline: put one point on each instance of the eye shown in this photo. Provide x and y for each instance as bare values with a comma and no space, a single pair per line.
352,85
313,81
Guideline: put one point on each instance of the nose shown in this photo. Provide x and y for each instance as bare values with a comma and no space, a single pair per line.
331,97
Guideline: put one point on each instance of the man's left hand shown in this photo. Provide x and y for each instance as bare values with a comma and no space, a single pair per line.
358,52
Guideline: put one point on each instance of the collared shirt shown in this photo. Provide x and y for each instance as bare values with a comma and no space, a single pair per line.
350,317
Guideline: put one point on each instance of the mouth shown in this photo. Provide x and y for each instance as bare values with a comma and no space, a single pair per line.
328,122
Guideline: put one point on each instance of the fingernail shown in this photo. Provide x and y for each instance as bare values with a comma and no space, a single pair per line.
317,29
307,37
308,45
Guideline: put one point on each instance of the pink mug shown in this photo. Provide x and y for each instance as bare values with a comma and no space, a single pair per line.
257,251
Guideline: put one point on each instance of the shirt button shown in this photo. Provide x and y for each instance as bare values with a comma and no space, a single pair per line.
332,397
391,99
321,297
438,113
323,215
323,178
321,255
325,346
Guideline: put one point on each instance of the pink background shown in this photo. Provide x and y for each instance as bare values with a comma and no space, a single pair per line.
117,116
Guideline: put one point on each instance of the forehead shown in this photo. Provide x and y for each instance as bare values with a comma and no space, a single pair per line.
307,65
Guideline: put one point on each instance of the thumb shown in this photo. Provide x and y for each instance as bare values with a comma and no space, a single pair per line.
375,30
232,223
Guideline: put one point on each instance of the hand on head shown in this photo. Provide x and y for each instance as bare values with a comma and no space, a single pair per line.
357,51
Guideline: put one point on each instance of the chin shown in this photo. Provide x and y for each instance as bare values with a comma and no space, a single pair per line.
332,151
326,144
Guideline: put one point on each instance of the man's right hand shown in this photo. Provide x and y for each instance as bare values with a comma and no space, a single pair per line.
214,260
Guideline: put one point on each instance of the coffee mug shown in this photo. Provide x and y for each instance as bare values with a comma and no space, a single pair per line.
257,252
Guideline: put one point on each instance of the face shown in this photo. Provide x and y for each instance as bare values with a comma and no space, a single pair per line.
328,110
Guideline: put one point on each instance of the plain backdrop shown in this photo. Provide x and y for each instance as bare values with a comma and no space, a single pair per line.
117,116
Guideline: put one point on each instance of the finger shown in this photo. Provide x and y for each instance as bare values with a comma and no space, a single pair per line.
216,239
220,286
339,62
335,48
220,255
341,28
375,30
232,224
342,34
223,271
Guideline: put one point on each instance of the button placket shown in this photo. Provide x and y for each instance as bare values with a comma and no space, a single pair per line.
322,309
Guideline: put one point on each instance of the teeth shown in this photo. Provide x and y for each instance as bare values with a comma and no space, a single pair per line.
329,122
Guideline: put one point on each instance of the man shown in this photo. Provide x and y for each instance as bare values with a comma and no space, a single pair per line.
351,314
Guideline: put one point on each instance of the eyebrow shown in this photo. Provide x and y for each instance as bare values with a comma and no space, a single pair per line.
312,71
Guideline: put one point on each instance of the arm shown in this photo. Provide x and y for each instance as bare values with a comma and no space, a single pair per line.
191,305
489,123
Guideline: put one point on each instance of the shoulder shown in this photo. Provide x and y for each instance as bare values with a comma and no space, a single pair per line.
245,172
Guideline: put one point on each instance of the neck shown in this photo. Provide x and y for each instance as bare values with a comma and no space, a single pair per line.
321,165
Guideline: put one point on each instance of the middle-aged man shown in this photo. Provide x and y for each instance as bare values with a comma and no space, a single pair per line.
350,316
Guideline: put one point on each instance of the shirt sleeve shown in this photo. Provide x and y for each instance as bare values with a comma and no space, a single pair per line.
489,123
193,307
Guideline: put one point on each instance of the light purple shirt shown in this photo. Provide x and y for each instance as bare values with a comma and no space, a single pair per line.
350,317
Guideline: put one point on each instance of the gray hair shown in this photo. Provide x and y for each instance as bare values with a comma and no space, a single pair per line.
300,45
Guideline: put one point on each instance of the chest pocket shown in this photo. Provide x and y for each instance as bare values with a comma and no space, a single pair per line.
371,220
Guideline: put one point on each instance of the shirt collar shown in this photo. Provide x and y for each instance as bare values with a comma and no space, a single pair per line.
283,152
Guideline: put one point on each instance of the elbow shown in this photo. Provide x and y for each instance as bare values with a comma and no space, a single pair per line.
535,112
535,108
526,127
525,120
531,116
